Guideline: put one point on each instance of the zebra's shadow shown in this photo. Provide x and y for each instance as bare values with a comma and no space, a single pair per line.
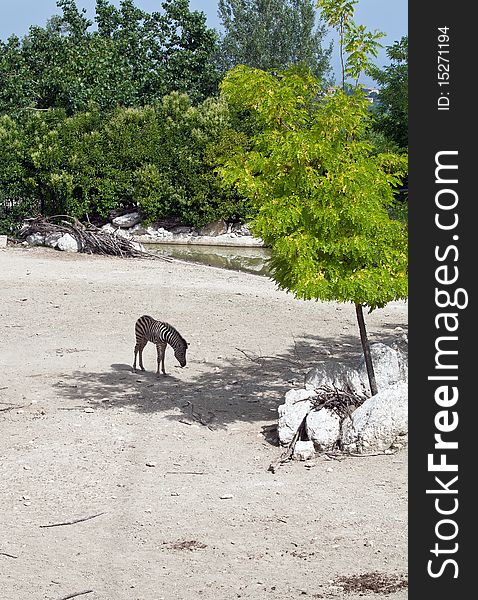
246,386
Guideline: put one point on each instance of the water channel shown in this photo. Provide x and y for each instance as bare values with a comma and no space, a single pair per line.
237,258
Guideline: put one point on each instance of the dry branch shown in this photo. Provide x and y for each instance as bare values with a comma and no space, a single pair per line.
75,594
74,521
289,451
90,239
7,554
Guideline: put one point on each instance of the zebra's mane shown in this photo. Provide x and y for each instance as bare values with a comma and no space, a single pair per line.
176,331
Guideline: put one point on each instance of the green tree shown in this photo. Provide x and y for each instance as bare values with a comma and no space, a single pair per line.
273,35
392,111
320,189
161,158
132,59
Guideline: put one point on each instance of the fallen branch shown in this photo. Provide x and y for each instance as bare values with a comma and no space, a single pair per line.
74,521
13,406
90,239
75,595
289,451
260,359
185,473
368,454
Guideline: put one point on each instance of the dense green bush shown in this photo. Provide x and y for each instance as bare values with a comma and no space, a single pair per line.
160,158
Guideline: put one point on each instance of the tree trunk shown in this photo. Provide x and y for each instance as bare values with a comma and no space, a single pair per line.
366,349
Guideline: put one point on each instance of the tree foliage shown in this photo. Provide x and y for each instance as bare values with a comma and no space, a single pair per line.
356,44
392,111
320,193
161,159
133,58
272,35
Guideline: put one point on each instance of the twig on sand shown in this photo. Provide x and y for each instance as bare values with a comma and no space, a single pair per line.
260,359
7,554
359,455
74,595
13,406
74,521
185,473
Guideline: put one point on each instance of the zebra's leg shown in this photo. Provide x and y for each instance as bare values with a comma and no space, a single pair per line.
139,348
161,348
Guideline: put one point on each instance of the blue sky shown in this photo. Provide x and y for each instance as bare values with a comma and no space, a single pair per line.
389,16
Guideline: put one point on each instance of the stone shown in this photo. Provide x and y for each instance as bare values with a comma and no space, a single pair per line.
292,412
389,364
213,229
323,428
3,241
138,230
126,221
379,422
67,243
159,232
138,246
304,450
123,234
180,229
241,229
35,239
338,375
51,240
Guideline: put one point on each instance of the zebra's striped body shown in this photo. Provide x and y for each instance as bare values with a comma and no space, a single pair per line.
161,334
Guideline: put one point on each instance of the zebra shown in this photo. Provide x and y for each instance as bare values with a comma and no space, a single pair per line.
147,330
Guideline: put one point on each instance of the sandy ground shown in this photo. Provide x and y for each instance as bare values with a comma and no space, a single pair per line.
174,470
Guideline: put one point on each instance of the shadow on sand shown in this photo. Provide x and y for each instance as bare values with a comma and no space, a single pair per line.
243,387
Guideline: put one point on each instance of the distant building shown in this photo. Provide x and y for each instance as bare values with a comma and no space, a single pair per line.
372,95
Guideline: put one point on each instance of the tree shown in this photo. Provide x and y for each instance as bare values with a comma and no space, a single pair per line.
392,111
272,35
320,191
132,59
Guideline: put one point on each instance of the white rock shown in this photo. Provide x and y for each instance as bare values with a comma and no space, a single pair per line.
295,396
35,239
123,233
138,230
291,413
323,428
108,228
340,376
389,364
379,422
51,239
390,367
216,228
158,232
67,243
138,246
304,450
128,220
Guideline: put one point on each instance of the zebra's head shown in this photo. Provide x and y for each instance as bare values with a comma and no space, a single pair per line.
180,352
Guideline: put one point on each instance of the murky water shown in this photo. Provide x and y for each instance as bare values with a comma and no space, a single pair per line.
238,258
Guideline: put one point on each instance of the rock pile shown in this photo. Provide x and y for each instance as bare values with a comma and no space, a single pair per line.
128,226
371,424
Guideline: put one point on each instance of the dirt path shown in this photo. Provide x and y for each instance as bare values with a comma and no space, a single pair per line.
177,466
